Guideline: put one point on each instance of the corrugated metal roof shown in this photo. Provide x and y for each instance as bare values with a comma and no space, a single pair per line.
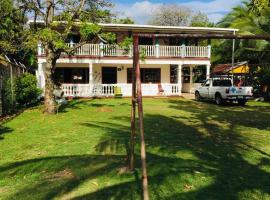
156,29
225,68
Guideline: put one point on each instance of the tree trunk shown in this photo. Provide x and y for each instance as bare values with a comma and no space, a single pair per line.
49,102
133,109
140,114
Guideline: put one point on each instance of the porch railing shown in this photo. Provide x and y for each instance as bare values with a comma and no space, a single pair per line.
86,90
101,50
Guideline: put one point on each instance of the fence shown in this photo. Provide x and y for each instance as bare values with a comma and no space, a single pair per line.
9,70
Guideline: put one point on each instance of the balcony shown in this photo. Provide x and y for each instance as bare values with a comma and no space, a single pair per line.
150,51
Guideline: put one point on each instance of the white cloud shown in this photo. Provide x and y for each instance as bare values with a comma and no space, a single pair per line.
140,11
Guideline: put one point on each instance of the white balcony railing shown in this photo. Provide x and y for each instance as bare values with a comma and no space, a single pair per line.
87,90
101,50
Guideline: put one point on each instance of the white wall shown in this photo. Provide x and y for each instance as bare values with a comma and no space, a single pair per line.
122,75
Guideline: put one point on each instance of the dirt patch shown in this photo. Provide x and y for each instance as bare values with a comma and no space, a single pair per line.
64,174
123,170
104,109
4,190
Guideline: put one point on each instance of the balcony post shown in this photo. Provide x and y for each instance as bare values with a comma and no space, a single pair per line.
183,51
179,79
39,49
101,49
209,51
91,82
71,43
157,50
130,51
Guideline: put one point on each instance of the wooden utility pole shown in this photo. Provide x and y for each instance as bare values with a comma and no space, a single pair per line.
133,109
140,114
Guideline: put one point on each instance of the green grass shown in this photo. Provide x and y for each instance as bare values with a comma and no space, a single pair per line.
194,151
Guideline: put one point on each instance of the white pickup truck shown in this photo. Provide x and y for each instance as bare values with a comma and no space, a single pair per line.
222,90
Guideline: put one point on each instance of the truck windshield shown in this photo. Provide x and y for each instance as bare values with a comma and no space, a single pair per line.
226,83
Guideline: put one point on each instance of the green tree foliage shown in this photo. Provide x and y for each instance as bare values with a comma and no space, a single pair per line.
13,34
248,22
62,19
126,20
251,18
258,6
26,90
8,97
11,23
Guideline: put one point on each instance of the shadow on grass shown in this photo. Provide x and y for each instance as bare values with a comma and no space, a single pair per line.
199,156
81,104
4,130
60,175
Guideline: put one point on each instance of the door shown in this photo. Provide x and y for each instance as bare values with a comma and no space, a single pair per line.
109,75
205,89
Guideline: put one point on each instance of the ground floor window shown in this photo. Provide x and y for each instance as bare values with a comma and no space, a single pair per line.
109,75
173,74
148,75
72,75
186,74
199,74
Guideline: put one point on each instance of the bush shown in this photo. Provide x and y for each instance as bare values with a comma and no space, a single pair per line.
8,101
26,90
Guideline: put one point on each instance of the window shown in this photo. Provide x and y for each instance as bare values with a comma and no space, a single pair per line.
206,83
227,83
199,74
129,75
186,74
148,75
173,73
72,75
145,41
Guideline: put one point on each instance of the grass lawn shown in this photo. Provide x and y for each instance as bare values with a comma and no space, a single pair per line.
194,151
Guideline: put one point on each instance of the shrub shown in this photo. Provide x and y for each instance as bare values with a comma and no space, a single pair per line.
26,90
8,100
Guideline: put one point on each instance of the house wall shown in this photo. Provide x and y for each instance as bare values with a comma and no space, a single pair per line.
122,75
97,64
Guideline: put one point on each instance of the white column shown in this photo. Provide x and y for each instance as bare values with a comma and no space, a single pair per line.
40,75
190,78
91,81
183,51
208,71
101,49
179,78
39,49
157,50
209,51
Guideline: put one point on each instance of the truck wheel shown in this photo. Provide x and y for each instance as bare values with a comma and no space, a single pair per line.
197,96
218,99
242,102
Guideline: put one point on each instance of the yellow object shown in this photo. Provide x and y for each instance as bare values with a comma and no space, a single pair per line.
118,92
243,69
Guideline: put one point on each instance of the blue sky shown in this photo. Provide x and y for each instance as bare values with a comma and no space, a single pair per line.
141,10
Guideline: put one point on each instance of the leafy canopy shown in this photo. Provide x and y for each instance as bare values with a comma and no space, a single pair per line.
65,18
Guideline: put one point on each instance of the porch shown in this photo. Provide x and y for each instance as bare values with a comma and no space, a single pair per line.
96,80
109,90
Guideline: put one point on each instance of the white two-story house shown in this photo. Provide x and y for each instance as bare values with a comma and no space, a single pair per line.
171,66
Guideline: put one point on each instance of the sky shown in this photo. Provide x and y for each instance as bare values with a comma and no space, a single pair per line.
140,11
